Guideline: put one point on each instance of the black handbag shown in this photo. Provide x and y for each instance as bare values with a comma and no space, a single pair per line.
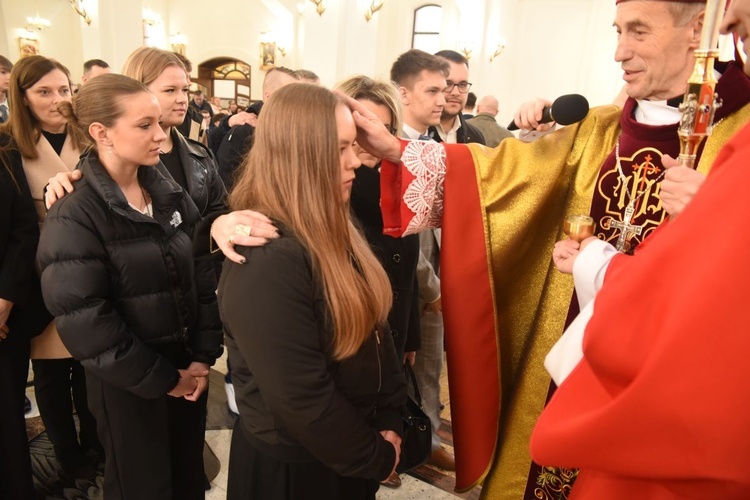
416,441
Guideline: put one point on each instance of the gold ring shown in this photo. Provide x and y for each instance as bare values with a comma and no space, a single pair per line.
231,240
243,229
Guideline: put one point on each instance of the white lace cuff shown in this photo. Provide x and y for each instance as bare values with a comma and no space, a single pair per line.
424,195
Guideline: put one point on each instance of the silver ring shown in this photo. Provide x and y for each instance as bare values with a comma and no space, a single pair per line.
243,229
231,239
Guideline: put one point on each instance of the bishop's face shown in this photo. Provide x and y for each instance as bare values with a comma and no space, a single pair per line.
655,55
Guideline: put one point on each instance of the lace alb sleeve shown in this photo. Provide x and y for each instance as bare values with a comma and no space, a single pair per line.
424,194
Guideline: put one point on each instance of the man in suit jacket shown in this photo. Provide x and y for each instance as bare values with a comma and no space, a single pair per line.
485,121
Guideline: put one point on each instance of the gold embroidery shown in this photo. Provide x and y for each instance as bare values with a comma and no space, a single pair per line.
554,483
644,169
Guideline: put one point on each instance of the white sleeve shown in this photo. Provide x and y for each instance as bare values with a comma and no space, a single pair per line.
589,269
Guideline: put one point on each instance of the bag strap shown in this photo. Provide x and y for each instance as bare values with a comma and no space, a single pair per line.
413,377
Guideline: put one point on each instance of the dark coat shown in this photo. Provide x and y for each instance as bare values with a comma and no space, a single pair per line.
232,150
465,134
19,236
398,256
295,401
203,182
121,284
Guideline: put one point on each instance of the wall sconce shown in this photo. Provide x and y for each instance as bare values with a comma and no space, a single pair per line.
150,18
80,10
499,49
375,6
467,48
178,43
319,7
37,23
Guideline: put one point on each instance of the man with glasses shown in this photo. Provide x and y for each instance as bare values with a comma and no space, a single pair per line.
453,128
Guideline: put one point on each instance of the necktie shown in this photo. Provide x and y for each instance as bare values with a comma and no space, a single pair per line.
423,137
3,113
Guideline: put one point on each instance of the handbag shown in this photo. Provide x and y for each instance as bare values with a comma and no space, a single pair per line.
416,441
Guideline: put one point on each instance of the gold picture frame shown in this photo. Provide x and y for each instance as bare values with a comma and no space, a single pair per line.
28,47
267,55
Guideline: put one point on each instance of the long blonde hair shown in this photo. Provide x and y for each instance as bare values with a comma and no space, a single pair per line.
293,175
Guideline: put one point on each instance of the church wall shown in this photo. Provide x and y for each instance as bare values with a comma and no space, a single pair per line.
62,40
553,46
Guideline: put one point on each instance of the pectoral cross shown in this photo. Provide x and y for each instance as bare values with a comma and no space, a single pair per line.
628,230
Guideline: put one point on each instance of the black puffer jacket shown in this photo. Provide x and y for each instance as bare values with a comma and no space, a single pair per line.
295,401
121,283
204,185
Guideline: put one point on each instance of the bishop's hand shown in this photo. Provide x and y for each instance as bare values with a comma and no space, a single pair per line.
679,186
372,135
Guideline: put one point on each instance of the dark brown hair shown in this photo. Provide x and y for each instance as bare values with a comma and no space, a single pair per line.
410,65
22,125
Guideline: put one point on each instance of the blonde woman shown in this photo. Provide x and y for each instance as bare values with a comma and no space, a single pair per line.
318,383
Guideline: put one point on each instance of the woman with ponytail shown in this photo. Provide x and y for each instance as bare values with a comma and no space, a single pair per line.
130,303
318,383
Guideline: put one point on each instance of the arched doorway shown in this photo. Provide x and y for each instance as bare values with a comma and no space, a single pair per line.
226,78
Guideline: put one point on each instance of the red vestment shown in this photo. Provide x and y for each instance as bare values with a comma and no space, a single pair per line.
658,407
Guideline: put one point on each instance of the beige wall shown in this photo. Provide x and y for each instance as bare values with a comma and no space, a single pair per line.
553,46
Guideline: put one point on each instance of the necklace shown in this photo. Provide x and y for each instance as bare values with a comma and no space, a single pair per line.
148,208
627,229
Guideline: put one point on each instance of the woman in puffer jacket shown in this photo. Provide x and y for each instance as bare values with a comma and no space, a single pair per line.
130,302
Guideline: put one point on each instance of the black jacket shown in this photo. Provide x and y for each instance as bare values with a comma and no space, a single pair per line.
19,236
232,150
398,256
295,401
203,182
465,134
121,284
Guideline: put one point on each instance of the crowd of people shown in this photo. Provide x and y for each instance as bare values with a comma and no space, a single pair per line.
330,238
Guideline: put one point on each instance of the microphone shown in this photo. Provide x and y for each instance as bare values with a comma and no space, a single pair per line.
566,109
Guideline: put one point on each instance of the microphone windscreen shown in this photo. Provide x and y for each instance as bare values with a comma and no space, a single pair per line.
570,108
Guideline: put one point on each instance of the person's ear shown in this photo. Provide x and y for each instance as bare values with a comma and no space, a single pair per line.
99,133
697,29
404,93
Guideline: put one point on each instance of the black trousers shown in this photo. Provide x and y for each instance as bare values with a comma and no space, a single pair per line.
254,474
153,448
54,382
15,463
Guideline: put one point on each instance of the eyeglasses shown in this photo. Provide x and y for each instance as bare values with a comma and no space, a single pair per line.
463,87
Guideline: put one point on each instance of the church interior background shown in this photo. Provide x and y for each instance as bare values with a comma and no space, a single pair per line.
518,49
